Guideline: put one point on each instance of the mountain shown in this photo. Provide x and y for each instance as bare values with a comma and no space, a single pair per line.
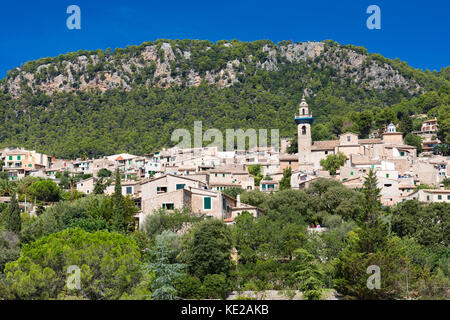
92,103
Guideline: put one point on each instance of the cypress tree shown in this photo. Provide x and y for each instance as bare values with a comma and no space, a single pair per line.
372,205
285,182
13,220
118,215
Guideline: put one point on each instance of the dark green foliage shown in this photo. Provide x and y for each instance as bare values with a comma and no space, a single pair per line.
189,287
233,192
208,249
333,162
430,225
371,192
285,182
91,214
44,190
109,262
415,141
100,187
13,220
104,173
174,221
9,248
118,220
215,286
163,265
255,171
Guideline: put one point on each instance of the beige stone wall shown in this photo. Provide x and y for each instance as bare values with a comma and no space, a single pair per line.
348,139
426,196
216,210
178,198
86,186
316,156
285,163
221,178
394,138
426,173
349,150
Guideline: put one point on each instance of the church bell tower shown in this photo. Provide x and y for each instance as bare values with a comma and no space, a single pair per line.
304,120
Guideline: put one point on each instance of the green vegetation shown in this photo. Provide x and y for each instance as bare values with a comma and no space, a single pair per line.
333,162
141,120
109,265
181,255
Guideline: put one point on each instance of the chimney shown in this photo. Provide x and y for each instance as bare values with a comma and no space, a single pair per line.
238,201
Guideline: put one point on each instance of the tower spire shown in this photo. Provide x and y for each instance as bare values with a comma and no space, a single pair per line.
304,120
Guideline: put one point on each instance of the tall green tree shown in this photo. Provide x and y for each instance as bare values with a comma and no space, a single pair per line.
207,248
285,182
372,204
167,272
118,220
13,220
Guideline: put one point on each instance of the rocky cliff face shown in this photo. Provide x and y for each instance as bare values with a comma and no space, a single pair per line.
165,64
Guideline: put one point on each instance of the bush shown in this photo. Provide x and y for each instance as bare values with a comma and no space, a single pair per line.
215,286
109,267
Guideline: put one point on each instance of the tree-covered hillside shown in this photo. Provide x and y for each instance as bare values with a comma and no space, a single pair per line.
131,100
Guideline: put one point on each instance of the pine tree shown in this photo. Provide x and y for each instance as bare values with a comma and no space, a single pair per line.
13,220
99,187
118,222
372,204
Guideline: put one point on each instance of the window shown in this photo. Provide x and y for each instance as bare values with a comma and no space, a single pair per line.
348,138
264,187
129,190
304,130
10,157
180,186
387,175
439,197
428,198
161,189
207,203
326,152
290,162
402,153
168,206
215,174
448,197
223,175
18,157
351,173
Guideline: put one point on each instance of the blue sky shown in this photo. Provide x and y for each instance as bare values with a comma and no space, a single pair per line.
414,31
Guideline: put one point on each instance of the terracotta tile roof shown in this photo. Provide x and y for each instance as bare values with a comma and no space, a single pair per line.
325,145
288,157
370,141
